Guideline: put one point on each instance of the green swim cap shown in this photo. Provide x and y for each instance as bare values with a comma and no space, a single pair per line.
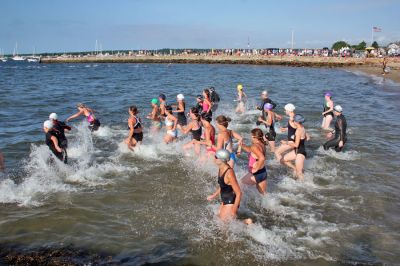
154,101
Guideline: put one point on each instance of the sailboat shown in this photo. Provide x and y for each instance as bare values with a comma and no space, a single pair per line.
2,58
16,57
33,58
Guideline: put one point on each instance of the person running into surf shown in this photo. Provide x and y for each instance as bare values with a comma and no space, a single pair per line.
328,111
225,138
290,129
241,99
154,116
208,138
270,124
298,155
195,128
338,140
135,136
52,140
180,110
94,123
171,123
215,99
257,174
207,104
60,128
199,103
228,187
162,99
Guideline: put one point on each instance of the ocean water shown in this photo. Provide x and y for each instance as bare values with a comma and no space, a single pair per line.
149,206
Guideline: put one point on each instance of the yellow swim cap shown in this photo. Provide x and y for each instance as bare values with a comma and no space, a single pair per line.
240,87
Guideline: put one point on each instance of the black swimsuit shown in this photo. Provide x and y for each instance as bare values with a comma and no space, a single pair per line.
340,134
302,148
196,134
291,132
138,136
50,143
182,117
271,135
326,108
228,196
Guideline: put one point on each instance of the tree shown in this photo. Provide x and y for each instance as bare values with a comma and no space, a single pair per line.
375,45
361,46
340,44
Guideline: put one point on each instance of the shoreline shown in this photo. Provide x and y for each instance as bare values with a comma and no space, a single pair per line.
369,66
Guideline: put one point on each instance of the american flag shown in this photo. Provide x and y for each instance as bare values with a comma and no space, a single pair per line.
376,29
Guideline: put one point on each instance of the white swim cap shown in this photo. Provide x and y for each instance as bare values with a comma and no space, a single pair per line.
180,96
338,108
290,107
53,116
264,93
48,124
223,155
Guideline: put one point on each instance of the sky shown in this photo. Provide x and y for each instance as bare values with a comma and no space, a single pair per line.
75,25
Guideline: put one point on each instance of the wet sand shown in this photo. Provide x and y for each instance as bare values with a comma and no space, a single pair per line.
394,74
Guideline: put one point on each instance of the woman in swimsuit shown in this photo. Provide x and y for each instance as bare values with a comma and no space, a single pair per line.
299,153
225,138
180,110
154,116
291,130
94,123
208,138
171,123
135,136
241,99
257,174
53,141
195,128
269,123
228,187
207,104
328,111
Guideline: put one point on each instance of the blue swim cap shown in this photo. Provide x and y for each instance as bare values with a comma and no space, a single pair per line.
268,106
299,119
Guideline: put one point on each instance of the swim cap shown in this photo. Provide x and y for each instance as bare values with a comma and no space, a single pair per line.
212,89
162,97
290,107
240,87
338,108
180,96
264,93
53,116
328,94
48,124
268,106
299,119
223,155
154,101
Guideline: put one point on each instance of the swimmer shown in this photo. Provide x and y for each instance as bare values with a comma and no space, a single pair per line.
299,153
135,136
228,188
339,139
291,131
269,124
2,166
208,138
225,138
215,99
162,99
180,110
195,128
241,99
199,103
328,111
207,104
154,116
94,123
257,174
264,100
171,123
52,140
60,128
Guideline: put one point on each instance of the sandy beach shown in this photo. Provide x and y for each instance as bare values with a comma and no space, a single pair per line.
394,74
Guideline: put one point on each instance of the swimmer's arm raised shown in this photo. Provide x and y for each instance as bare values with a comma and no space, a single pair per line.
75,115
